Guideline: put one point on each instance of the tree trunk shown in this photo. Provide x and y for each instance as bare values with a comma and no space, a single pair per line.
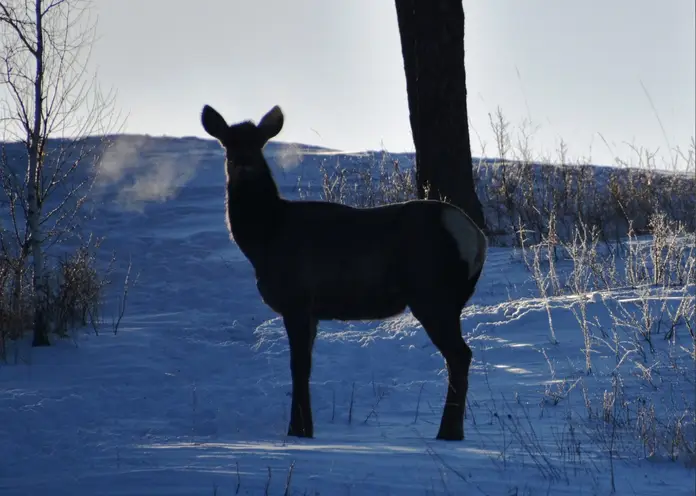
35,149
432,45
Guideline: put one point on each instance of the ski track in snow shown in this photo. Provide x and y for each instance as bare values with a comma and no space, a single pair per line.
192,395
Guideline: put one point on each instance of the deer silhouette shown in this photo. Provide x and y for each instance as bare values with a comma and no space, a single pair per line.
317,260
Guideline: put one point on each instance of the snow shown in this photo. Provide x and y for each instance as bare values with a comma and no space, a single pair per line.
191,395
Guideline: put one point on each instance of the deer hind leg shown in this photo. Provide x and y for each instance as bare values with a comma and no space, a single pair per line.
301,330
443,328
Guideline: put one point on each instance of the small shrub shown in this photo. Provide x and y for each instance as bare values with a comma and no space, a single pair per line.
76,290
15,308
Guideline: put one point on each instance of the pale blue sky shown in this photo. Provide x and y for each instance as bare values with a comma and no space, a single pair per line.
335,67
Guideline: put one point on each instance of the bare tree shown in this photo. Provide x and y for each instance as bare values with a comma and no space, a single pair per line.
432,44
46,94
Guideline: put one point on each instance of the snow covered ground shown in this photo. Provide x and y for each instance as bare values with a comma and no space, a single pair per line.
191,395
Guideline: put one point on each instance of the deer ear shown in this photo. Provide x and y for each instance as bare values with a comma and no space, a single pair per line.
213,123
271,123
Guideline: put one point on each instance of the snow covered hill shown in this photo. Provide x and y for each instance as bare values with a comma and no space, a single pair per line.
191,395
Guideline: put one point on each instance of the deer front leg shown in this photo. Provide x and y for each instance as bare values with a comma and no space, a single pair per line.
301,331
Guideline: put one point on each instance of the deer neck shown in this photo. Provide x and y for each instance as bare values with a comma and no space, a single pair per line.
254,213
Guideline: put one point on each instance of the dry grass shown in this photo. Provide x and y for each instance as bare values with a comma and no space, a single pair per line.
544,197
635,302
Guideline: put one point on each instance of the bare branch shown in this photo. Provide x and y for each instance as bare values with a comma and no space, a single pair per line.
52,5
21,28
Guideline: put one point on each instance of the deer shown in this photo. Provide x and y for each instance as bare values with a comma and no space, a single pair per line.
316,260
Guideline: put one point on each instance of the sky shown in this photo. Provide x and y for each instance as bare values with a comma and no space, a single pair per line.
585,72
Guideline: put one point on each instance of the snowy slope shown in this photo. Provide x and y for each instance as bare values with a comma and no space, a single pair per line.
191,396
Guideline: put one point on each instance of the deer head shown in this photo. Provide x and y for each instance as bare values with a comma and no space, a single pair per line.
243,144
